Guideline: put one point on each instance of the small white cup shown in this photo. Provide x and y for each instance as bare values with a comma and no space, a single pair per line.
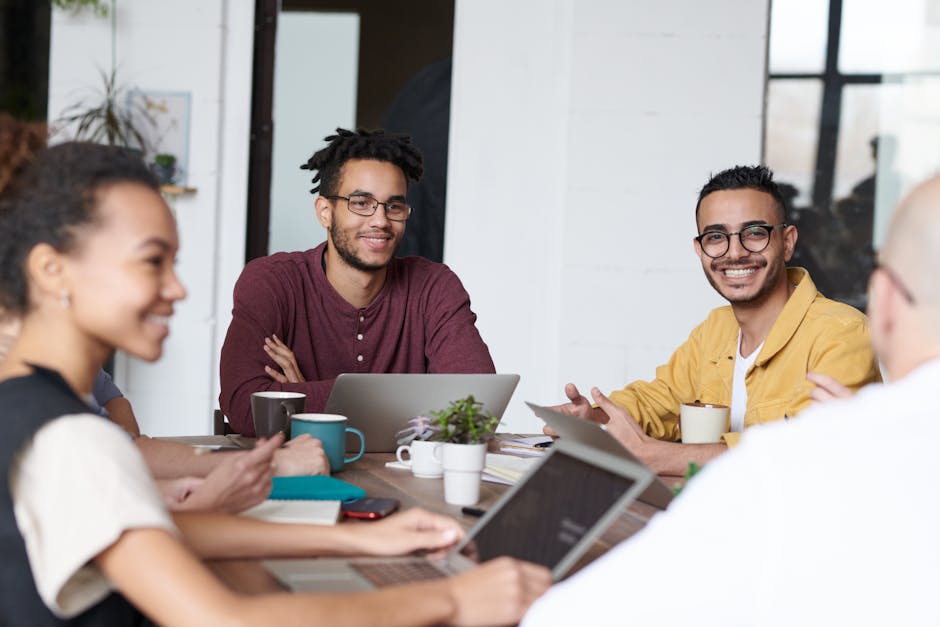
421,459
703,423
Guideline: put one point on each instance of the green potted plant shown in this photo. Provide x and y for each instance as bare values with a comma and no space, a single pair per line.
464,428
76,6
108,117
464,422
164,167
690,472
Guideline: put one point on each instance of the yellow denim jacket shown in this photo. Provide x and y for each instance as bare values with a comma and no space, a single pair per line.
812,334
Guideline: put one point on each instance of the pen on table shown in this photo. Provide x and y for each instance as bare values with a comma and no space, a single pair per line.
222,448
473,511
521,447
544,444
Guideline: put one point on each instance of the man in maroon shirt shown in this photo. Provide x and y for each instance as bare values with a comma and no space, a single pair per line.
348,305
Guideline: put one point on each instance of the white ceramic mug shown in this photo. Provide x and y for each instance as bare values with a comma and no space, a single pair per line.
421,459
703,423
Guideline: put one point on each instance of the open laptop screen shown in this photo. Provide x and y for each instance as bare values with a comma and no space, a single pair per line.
550,513
380,405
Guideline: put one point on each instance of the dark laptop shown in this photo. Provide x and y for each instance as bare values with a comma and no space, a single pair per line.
658,494
550,517
380,405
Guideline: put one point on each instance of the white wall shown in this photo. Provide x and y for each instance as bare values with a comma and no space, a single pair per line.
580,135
204,48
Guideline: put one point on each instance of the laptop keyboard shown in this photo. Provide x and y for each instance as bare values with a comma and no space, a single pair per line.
391,573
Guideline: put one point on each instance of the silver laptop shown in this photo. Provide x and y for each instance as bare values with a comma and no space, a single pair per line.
380,405
658,494
550,517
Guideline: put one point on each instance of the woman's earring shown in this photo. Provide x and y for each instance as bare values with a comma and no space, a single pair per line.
65,299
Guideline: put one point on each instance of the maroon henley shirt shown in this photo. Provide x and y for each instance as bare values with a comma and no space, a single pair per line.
420,322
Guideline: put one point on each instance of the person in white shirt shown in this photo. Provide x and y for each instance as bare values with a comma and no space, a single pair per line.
829,519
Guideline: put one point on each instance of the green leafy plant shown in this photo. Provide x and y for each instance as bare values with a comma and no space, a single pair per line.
689,473
464,422
76,6
164,167
107,117
165,160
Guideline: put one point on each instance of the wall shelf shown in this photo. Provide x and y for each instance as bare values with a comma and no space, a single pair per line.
176,190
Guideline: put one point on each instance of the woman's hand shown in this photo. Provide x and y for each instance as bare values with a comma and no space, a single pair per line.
407,532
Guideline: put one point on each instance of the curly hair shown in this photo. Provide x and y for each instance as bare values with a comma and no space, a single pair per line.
376,144
55,195
757,177
19,142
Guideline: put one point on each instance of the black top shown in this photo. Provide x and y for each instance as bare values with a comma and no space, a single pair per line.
26,404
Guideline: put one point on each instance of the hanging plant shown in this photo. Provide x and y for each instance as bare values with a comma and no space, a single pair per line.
109,117
77,6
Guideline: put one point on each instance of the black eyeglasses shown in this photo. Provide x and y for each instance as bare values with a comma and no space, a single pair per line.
365,205
894,278
754,239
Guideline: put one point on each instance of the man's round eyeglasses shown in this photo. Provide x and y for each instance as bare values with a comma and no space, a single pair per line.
894,278
753,239
365,205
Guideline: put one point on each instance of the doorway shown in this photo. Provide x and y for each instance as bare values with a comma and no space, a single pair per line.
368,63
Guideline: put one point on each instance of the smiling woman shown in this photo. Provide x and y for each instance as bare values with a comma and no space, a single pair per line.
67,275
130,257
114,240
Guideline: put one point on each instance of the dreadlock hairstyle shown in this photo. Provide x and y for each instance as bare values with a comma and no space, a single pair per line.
362,144
757,177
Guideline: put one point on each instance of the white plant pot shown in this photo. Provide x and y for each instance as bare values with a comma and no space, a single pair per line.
463,466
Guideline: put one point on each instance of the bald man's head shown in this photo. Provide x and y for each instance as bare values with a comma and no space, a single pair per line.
912,247
904,304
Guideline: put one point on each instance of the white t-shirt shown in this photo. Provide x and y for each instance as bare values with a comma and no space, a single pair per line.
78,486
829,519
738,388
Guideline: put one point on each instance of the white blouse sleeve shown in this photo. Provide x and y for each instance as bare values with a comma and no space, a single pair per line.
76,488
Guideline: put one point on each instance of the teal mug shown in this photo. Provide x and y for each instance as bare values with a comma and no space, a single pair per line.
331,430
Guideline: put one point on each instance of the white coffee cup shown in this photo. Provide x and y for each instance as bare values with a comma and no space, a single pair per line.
421,459
703,423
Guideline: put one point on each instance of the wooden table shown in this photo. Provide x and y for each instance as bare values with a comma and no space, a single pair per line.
371,474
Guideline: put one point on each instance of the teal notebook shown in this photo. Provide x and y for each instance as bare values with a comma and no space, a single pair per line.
314,487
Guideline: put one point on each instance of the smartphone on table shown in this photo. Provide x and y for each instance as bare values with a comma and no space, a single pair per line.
369,508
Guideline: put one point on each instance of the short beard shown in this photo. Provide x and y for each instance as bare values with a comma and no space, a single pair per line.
766,288
341,244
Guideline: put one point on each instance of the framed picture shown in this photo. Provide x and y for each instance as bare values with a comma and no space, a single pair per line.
166,131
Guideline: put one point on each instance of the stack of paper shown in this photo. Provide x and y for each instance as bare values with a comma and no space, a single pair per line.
310,512
507,469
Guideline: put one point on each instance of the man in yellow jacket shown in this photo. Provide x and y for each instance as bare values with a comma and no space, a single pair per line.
753,355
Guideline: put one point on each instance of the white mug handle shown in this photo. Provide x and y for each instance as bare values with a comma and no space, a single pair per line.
401,449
